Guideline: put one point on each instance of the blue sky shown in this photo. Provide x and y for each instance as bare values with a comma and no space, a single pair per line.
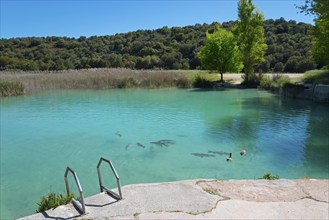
23,18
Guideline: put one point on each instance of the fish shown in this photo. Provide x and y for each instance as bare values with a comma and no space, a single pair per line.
118,134
162,143
158,143
181,135
218,152
202,155
126,147
140,145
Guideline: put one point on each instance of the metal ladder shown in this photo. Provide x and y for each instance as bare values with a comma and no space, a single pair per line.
103,188
80,204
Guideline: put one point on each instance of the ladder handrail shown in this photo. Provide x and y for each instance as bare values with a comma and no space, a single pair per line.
102,188
80,206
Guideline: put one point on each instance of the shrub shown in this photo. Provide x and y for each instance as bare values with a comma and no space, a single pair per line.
276,82
304,65
253,81
269,176
53,200
317,76
265,83
280,81
201,82
278,68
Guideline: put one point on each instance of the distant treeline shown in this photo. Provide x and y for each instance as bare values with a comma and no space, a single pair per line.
165,48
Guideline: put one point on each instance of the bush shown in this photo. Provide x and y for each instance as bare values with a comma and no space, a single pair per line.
254,80
201,82
280,81
53,200
276,82
317,76
269,176
278,68
265,83
305,65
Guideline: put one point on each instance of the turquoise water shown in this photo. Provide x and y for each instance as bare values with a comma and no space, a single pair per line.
41,134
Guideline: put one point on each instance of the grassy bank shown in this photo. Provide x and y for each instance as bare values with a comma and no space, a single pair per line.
316,77
30,82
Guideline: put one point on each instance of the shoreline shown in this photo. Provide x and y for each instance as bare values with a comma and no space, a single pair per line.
207,199
21,83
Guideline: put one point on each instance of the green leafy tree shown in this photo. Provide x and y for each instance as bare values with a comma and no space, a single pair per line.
320,33
220,52
249,32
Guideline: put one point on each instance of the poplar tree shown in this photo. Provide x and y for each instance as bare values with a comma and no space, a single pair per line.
320,32
220,52
249,33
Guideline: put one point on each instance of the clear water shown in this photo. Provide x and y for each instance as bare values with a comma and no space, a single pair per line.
41,134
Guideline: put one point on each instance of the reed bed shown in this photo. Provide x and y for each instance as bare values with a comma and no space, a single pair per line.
31,82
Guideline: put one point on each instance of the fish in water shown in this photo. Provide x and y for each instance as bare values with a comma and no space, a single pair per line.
118,134
140,145
181,135
126,147
218,152
158,143
162,143
202,155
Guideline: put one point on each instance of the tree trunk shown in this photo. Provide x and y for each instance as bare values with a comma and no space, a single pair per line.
221,77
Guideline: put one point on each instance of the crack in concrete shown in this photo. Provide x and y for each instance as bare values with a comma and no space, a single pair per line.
310,197
314,199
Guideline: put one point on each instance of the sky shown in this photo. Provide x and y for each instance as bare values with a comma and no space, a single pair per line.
75,18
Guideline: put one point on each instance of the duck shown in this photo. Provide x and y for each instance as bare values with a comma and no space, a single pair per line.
243,152
229,159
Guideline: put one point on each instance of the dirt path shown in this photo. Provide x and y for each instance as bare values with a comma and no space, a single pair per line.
236,77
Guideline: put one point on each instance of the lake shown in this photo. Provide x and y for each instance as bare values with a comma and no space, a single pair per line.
42,134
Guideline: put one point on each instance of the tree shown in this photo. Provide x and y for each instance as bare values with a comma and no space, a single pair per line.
249,32
320,33
220,52
278,68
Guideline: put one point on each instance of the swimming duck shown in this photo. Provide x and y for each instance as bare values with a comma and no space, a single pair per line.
243,152
229,159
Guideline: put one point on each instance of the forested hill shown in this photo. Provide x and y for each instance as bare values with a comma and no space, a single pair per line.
166,48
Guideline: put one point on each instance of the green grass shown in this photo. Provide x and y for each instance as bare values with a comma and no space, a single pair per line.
316,77
269,176
53,200
210,191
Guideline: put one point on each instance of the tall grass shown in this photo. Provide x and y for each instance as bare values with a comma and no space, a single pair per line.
95,79
11,88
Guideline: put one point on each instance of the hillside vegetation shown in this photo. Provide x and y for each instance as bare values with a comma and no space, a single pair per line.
165,48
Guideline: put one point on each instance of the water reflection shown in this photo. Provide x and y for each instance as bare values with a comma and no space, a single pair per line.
289,132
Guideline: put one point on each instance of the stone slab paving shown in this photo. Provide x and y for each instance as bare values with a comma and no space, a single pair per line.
207,199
